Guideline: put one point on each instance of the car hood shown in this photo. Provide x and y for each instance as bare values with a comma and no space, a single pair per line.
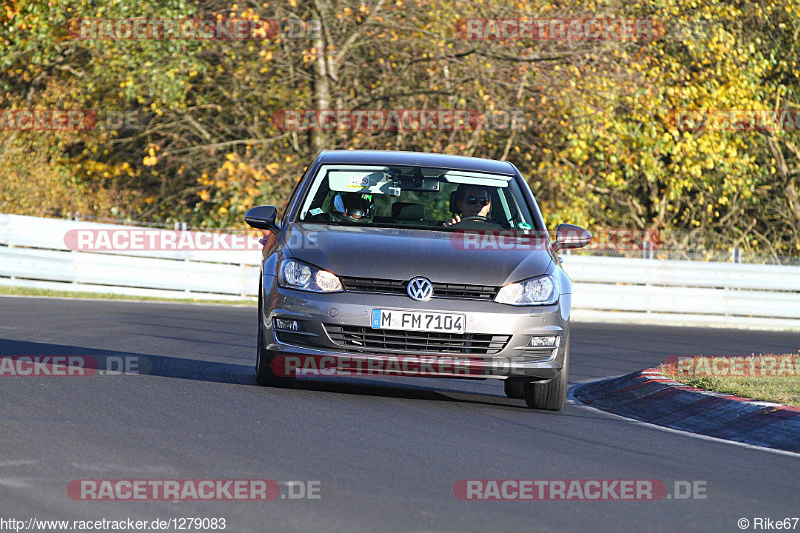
401,254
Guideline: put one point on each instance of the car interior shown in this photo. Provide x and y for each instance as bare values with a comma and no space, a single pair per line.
417,207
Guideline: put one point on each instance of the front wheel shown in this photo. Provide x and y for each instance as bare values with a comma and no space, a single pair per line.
264,373
551,395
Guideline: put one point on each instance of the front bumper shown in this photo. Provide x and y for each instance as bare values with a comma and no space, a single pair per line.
319,314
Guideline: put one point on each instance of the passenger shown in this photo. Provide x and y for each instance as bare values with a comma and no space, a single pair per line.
470,201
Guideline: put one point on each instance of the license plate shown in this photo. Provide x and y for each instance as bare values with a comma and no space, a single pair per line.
417,321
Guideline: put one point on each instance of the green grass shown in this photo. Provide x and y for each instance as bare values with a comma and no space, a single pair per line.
759,382
50,293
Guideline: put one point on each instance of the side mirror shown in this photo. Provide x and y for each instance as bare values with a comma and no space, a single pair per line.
263,217
571,236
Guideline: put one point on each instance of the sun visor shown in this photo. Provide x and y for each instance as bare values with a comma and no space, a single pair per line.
367,180
477,178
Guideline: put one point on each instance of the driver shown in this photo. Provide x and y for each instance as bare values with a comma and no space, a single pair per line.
471,201
352,207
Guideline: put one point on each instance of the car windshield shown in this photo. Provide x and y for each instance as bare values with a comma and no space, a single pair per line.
415,197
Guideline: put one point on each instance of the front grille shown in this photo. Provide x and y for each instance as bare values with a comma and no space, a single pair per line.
471,292
440,290
386,286
364,339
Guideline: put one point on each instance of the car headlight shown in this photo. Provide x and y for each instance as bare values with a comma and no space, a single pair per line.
296,275
534,291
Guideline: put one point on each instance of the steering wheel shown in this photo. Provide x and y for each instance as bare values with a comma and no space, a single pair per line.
477,218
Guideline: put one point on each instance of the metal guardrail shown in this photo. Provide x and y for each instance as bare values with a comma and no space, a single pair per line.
685,292
33,253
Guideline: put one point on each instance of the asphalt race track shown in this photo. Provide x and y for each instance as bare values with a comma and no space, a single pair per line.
387,452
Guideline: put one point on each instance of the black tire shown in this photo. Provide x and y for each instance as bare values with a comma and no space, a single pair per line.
264,374
551,395
514,389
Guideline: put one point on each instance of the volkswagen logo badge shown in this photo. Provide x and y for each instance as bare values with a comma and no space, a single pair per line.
420,289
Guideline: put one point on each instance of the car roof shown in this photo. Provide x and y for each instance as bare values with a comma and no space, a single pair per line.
390,157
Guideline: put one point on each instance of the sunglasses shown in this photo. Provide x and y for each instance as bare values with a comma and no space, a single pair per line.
472,200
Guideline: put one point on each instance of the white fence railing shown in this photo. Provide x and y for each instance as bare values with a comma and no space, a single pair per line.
685,292
33,253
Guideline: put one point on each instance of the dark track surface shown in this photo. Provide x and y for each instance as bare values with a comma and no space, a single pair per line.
387,451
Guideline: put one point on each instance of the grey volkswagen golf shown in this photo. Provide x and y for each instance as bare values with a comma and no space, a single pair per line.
404,263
